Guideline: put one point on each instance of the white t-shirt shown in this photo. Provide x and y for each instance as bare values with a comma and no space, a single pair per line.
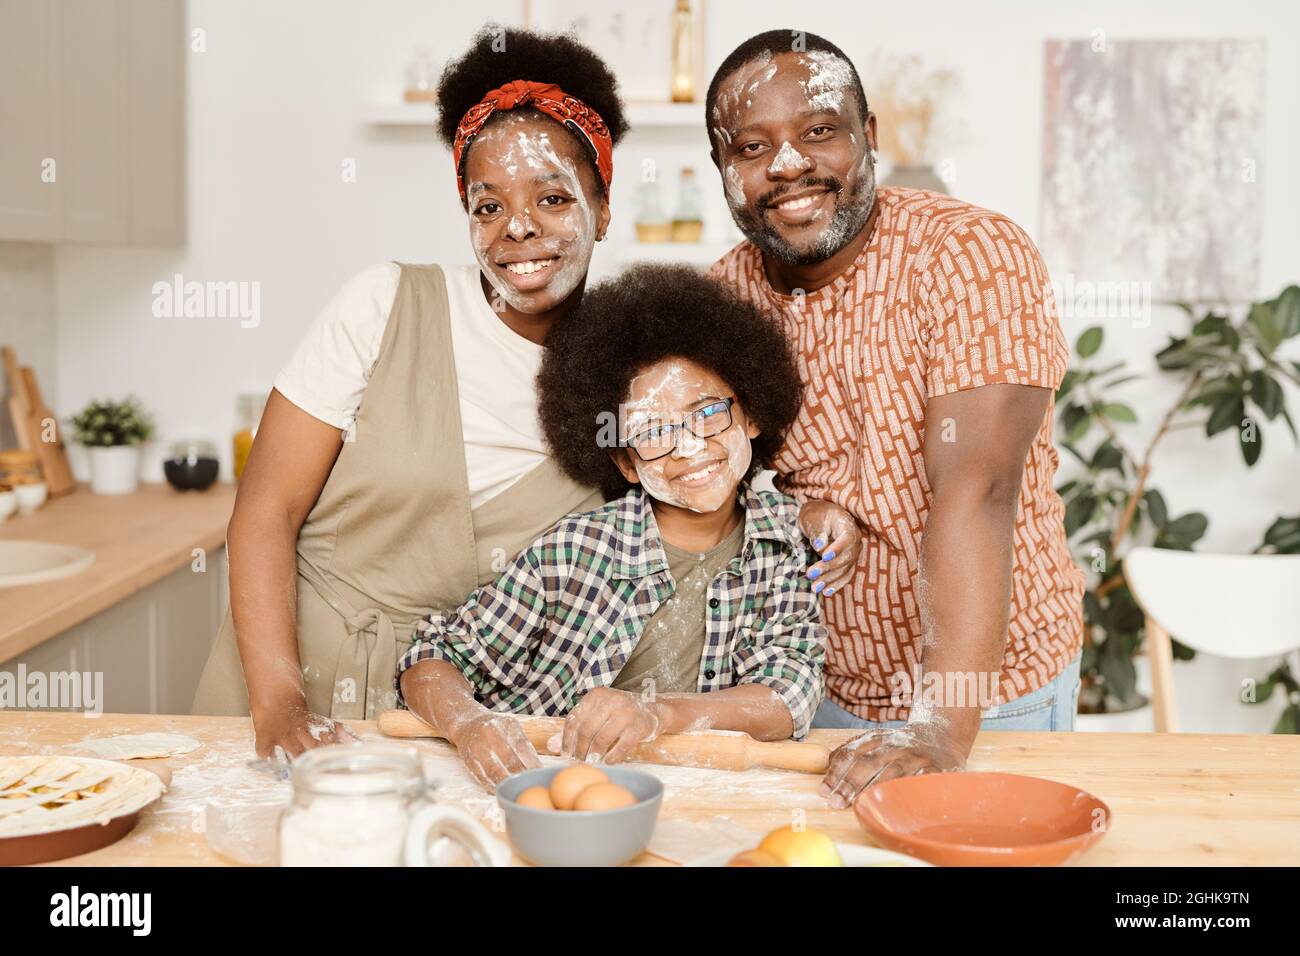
495,368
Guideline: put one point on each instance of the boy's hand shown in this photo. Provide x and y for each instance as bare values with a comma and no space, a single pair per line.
609,724
835,535
494,747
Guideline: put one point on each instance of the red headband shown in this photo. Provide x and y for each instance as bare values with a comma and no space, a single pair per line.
547,98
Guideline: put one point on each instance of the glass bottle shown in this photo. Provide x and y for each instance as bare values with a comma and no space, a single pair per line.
683,90
652,223
688,221
250,414
421,78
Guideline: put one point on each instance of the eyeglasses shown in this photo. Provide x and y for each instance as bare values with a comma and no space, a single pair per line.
653,443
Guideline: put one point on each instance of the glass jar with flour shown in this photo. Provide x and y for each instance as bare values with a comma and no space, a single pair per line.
371,805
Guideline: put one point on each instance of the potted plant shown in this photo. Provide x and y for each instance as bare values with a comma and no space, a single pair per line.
1229,374
113,432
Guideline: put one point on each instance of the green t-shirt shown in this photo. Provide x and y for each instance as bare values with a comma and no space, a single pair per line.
672,644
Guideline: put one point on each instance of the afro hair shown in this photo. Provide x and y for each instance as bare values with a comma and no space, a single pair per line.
500,55
649,313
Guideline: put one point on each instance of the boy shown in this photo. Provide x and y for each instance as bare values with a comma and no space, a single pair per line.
679,605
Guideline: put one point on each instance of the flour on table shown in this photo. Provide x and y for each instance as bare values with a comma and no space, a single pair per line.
137,746
681,841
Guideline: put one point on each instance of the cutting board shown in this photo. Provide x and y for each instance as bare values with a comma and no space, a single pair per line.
52,455
30,414
19,410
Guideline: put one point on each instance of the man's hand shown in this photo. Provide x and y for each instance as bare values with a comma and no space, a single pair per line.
609,724
836,537
881,755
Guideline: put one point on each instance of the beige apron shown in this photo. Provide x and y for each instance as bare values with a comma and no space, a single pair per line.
392,535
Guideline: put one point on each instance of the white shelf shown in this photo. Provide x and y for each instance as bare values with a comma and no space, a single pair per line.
639,115
403,114
665,116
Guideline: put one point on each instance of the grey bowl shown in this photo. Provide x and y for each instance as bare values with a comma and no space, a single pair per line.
581,837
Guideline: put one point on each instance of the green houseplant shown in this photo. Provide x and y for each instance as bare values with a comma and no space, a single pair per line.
113,432
1229,374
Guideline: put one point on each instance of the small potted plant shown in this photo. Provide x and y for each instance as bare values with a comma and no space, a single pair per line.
113,432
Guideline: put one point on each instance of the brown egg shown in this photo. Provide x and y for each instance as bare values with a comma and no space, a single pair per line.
539,798
755,858
569,782
604,796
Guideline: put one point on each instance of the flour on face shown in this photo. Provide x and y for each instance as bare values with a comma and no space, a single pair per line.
787,158
530,154
700,474
829,78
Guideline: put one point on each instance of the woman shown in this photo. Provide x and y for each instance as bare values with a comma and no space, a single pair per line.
400,463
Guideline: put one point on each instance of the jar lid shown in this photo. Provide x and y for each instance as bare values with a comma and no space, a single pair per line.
17,458
358,770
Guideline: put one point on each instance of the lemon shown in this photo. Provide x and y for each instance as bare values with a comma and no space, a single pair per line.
801,847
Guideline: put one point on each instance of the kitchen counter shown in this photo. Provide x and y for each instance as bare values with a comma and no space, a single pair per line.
1178,799
137,539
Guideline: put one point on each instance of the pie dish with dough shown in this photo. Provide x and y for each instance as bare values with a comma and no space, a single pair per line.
48,793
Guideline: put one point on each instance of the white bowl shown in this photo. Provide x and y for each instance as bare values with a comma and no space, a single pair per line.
852,854
8,504
31,497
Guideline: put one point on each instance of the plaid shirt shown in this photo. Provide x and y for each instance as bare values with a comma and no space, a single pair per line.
565,616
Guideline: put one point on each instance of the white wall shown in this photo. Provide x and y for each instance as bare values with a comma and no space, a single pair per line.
276,104
279,99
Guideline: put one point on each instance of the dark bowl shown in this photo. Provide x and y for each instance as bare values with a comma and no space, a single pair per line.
191,474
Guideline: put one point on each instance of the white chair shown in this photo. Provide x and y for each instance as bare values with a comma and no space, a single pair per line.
1232,605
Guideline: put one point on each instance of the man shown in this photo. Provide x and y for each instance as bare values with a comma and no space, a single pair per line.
929,346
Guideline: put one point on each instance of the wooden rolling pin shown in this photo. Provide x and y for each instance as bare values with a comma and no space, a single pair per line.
710,751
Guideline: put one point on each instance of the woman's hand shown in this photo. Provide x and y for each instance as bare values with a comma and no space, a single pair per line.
291,728
609,724
494,747
836,537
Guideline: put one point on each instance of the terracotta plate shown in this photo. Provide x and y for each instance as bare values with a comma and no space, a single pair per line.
983,819
61,844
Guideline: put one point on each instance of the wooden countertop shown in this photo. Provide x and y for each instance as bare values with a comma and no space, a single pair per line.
137,539
1178,799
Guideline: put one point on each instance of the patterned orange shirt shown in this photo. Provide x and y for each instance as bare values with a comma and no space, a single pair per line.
945,297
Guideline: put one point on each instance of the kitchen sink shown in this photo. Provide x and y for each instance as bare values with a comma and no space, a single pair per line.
33,562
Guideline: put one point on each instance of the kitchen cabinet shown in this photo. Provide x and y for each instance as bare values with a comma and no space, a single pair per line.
92,121
150,647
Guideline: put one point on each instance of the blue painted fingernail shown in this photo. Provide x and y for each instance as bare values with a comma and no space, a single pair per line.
815,573
830,591
817,588
828,555
819,543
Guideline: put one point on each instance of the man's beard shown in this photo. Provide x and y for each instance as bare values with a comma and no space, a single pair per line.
850,215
